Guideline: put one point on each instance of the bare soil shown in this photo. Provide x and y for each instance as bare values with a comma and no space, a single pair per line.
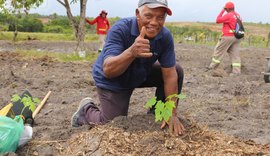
223,115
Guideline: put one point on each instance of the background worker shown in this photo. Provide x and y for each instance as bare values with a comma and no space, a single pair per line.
139,52
102,27
227,43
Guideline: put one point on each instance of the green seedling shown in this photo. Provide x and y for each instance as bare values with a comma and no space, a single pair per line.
27,101
163,111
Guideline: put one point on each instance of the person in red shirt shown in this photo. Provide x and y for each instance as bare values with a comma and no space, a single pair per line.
102,27
227,43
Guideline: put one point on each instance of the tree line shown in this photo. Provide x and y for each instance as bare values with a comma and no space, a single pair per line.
61,24
35,23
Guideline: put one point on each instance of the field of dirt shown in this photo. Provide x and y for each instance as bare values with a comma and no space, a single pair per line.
223,115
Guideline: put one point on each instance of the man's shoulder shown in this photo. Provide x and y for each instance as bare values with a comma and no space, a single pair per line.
166,33
233,14
237,14
166,30
124,25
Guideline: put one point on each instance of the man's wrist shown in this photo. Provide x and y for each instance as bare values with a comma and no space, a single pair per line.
174,112
130,52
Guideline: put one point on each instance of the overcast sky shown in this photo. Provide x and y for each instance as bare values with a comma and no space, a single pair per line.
183,10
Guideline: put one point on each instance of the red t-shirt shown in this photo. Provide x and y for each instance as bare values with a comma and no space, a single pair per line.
102,24
229,21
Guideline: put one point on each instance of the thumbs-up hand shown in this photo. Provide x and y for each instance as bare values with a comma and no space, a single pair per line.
141,46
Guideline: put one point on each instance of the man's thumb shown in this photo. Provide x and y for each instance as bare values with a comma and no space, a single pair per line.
143,32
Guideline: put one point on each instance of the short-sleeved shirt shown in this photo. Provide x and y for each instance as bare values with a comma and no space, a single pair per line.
119,38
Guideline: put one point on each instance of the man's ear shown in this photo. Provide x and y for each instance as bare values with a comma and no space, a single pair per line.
137,13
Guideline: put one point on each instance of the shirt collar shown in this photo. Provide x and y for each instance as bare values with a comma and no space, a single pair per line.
135,29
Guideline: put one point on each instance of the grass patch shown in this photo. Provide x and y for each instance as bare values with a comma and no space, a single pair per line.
62,57
22,36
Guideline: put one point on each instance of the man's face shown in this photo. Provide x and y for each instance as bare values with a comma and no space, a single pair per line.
152,19
103,15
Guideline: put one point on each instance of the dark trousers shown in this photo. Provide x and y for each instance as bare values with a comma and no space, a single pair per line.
113,104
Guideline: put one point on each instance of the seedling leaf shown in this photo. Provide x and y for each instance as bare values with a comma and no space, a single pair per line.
181,96
150,103
32,107
167,114
171,96
158,116
15,98
159,105
169,105
36,100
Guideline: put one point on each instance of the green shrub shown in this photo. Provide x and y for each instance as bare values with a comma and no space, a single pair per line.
24,24
53,29
3,27
60,21
30,24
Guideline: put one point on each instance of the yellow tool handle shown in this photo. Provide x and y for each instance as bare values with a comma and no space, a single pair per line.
4,111
41,104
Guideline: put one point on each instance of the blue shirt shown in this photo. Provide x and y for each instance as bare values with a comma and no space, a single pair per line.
119,38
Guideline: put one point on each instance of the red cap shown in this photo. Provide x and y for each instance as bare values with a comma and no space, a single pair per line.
103,12
229,5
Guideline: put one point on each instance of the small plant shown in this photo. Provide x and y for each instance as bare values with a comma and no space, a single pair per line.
27,101
163,111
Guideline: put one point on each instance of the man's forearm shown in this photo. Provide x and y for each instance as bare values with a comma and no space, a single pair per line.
171,87
174,99
117,65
